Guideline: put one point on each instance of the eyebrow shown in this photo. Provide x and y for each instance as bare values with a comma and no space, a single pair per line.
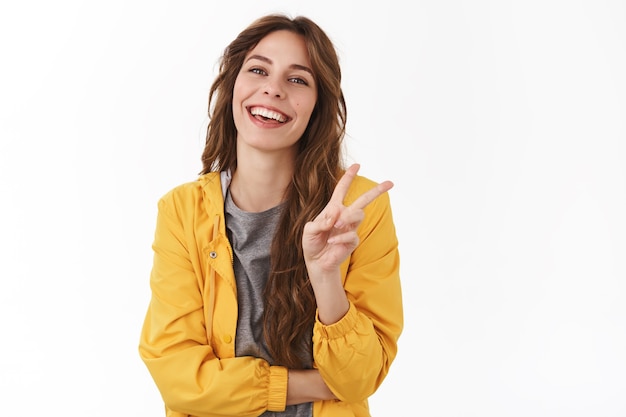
292,66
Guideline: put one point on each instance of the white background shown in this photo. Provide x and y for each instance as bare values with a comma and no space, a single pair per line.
502,124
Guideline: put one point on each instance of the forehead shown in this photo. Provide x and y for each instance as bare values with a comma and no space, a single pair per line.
284,46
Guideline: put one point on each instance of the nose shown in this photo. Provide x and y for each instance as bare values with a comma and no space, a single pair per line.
273,88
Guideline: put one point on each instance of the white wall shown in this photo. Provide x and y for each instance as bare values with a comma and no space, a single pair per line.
501,123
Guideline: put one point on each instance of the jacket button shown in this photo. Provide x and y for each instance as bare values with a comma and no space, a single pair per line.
213,254
227,338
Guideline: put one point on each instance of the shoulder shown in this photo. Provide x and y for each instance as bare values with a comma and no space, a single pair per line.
360,185
378,213
190,194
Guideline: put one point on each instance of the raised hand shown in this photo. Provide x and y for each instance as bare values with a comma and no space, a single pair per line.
331,237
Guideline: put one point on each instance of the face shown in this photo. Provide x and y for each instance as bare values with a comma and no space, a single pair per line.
274,94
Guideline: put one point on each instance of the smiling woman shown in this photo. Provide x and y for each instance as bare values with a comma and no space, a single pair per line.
275,284
274,96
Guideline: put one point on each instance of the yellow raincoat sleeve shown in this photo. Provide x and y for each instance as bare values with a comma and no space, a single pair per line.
174,343
354,354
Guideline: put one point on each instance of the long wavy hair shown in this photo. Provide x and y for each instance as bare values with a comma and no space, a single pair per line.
289,309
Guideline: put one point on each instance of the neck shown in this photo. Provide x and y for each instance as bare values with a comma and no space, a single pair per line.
256,188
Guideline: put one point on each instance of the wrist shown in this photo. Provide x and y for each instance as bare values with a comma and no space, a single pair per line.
331,299
307,385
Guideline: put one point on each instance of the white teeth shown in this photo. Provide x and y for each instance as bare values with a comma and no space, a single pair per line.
268,114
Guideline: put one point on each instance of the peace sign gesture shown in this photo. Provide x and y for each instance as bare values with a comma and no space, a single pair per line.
331,237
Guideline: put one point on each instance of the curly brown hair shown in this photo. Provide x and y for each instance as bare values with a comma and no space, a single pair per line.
289,310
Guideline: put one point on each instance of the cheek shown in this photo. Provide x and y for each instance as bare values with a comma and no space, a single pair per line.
240,88
236,92
305,105
236,104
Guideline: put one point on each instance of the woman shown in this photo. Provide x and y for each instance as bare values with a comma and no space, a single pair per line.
275,284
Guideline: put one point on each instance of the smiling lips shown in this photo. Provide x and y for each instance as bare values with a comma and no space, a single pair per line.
267,115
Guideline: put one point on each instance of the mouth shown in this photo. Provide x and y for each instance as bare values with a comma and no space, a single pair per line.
268,116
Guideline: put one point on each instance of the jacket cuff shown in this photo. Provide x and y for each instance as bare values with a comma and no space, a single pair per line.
336,330
277,398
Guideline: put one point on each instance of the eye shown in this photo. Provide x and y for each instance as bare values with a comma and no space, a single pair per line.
298,80
259,71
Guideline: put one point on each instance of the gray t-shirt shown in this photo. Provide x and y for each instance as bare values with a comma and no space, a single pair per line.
250,235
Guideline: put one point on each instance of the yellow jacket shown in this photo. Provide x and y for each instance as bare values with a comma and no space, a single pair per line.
187,339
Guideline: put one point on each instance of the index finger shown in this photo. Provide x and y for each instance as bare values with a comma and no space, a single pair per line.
341,189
